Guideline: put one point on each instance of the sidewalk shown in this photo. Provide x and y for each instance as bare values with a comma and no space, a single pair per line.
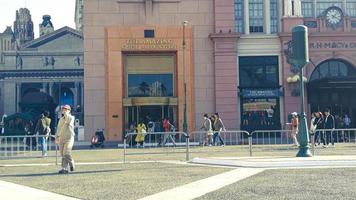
18,192
281,162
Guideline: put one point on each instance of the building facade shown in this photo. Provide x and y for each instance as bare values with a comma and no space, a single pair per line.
237,61
44,72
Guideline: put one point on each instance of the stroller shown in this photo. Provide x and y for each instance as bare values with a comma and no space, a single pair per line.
98,139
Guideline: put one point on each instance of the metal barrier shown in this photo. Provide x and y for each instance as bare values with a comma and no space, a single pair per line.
156,140
228,138
272,137
25,146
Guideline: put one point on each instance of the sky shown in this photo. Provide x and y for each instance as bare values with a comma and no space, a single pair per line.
61,11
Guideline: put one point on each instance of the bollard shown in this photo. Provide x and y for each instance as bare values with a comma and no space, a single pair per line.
187,148
125,150
250,143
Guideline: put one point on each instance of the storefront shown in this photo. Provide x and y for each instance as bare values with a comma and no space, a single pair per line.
259,93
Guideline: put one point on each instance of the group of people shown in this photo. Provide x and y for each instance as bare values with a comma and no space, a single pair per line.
328,122
213,125
322,127
160,127
64,136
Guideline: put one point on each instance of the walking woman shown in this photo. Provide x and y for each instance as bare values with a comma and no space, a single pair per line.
218,127
295,125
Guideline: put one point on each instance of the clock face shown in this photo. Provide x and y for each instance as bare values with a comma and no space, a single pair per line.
333,16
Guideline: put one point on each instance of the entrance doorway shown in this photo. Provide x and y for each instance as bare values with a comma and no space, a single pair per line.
333,85
135,114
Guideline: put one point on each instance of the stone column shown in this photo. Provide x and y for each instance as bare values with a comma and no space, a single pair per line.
76,94
50,89
267,16
246,18
226,79
18,97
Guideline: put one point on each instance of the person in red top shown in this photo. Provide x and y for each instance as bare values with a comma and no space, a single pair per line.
167,128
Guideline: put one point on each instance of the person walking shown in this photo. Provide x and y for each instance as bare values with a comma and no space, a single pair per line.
295,125
169,130
208,129
65,139
316,125
218,127
43,129
329,124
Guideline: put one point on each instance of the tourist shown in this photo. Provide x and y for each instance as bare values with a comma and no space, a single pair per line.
208,129
43,129
141,132
329,124
295,125
65,139
218,127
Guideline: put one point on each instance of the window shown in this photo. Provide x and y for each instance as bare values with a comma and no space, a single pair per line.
307,8
150,85
332,68
149,33
274,16
258,71
351,8
239,16
256,16
150,75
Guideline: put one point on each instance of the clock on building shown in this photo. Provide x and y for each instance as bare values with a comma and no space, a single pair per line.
333,16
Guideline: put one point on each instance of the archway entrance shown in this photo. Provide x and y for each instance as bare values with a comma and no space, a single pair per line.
333,85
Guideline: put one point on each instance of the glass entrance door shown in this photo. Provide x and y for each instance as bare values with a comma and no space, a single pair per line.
134,114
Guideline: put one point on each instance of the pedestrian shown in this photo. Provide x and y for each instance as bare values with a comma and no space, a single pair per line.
65,139
295,125
141,132
43,129
329,125
168,129
347,125
316,125
208,129
218,127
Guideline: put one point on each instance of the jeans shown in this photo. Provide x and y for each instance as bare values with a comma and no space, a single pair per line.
329,137
217,135
43,143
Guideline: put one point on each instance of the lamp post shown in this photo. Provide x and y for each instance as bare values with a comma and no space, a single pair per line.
300,57
185,126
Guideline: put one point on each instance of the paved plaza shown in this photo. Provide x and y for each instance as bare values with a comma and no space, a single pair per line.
211,175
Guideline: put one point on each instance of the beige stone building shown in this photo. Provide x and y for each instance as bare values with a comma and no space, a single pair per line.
133,62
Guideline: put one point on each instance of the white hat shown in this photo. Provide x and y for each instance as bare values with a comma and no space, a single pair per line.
294,113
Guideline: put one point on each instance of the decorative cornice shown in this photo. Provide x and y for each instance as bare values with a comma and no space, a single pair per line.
224,35
41,73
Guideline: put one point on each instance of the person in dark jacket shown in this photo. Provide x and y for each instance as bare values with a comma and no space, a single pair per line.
43,129
318,124
329,123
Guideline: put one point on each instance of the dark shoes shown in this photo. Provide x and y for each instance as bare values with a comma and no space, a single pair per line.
71,168
63,171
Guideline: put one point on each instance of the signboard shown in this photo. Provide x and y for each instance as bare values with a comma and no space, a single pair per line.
147,44
260,93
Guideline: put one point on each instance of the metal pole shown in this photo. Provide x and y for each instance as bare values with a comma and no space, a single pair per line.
250,143
185,126
303,131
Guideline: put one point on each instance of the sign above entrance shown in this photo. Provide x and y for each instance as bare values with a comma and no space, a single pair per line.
260,93
149,44
332,45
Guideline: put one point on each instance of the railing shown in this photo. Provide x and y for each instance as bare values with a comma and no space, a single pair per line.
26,146
153,140
271,137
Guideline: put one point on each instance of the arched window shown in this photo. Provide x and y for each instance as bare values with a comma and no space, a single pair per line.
332,69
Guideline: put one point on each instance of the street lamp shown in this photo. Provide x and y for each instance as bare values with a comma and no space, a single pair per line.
300,57
185,126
